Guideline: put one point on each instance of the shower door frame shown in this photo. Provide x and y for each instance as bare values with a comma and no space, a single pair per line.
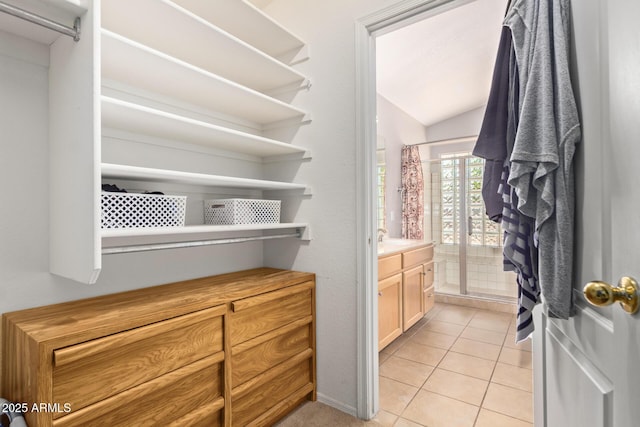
463,215
465,228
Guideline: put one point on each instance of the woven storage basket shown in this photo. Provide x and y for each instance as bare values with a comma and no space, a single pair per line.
133,210
241,211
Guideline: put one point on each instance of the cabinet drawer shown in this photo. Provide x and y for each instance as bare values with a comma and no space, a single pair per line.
258,315
417,256
273,349
191,395
267,395
92,371
389,266
428,274
429,298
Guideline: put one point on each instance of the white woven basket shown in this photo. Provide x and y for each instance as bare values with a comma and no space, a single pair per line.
241,211
133,210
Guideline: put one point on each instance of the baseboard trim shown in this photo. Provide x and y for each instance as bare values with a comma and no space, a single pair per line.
337,405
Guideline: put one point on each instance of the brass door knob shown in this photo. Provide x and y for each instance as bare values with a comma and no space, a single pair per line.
602,293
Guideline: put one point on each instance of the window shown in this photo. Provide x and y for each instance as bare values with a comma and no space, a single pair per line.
461,173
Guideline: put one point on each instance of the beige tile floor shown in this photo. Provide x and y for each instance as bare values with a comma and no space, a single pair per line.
457,367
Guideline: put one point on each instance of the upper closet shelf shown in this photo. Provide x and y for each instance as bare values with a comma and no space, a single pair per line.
122,115
139,66
197,42
248,23
137,173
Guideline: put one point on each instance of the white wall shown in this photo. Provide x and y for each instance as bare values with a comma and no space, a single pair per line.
465,124
398,128
328,28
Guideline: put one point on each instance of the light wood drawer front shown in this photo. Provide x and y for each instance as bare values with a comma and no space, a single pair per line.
89,372
429,298
389,266
428,274
193,394
251,362
268,394
417,256
258,315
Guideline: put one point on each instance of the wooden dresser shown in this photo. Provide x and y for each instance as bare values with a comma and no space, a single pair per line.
235,349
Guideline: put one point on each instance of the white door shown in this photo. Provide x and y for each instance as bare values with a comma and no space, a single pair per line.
586,369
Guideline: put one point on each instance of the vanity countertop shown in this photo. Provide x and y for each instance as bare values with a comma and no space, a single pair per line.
392,246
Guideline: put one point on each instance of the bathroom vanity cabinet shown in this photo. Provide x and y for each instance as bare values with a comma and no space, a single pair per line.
405,289
230,350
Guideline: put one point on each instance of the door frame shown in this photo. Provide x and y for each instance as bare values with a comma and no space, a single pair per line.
367,29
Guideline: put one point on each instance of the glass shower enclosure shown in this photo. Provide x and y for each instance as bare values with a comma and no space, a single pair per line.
468,246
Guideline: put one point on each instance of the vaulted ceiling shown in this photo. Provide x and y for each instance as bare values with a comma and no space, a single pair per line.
441,67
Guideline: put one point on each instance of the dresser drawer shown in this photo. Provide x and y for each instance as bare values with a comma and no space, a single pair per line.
417,256
191,395
255,402
271,350
266,312
95,370
390,265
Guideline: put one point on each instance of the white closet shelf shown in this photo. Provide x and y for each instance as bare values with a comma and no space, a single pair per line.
130,117
139,66
199,43
248,23
137,173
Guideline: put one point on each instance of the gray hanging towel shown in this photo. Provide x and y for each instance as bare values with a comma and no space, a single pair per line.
548,130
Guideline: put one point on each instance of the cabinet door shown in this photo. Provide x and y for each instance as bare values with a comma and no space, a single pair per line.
412,297
389,310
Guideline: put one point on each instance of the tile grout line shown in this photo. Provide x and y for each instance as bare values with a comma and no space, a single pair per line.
400,416
430,374
447,351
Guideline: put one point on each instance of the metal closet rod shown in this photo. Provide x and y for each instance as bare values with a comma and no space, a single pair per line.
42,21
192,244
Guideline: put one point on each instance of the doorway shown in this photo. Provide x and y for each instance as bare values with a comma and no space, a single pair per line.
367,30
433,78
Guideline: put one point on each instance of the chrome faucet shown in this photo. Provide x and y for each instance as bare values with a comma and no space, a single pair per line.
381,233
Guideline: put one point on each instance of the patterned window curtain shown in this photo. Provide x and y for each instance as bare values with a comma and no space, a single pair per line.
412,193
